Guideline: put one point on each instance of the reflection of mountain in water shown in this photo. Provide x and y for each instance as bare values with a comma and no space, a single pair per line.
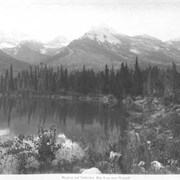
23,115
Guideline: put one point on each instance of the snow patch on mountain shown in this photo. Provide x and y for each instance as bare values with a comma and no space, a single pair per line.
43,51
6,45
15,51
49,47
135,51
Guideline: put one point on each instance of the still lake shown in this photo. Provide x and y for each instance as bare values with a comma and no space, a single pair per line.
74,118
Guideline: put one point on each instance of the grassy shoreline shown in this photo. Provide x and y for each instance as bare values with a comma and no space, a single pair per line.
152,134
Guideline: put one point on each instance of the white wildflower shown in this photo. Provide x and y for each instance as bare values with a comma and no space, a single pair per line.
90,171
141,163
113,155
156,165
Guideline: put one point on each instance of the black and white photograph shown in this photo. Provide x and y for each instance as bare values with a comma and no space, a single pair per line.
90,87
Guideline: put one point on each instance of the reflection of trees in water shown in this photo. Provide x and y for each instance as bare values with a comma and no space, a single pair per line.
6,107
83,113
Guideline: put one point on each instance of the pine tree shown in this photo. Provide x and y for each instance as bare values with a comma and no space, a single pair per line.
106,80
138,81
11,82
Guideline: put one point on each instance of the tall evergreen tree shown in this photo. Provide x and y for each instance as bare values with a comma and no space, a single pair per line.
11,82
138,80
106,80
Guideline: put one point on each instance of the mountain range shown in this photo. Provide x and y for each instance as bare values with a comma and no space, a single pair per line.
94,49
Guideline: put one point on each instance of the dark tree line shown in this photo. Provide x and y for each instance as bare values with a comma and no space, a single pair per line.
123,82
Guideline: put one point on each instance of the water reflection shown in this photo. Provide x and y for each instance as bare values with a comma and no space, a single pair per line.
4,132
23,115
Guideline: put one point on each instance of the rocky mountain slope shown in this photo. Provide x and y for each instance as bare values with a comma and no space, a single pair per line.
6,61
26,54
95,49
27,49
102,46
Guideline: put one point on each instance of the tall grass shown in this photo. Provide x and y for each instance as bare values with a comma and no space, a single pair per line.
46,153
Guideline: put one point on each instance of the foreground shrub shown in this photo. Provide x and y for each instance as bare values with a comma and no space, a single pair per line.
49,152
46,147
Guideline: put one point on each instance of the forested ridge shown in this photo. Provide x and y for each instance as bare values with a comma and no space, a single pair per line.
123,82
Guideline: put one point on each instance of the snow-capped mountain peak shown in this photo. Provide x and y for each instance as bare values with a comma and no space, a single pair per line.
103,34
7,45
57,42
6,42
103,29
11,40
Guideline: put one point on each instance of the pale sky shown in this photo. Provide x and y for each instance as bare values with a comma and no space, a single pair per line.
46,19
